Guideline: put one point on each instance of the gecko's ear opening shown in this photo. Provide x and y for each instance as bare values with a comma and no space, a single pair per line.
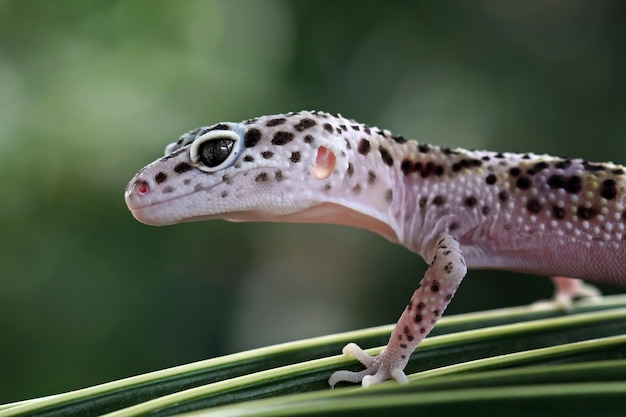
324,163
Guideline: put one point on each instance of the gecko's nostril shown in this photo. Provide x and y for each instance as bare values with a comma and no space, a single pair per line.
142,187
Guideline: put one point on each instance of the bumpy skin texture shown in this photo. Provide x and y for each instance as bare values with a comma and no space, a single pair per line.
456,208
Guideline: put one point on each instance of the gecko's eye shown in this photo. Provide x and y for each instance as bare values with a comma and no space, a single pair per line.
215,150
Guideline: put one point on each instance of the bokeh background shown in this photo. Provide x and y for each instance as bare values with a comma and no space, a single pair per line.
91,91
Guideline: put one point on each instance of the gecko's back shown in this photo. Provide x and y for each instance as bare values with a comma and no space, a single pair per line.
526,212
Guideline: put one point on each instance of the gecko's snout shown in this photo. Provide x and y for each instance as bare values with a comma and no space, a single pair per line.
135,190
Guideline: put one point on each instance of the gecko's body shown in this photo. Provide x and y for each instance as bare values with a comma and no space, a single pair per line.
456,208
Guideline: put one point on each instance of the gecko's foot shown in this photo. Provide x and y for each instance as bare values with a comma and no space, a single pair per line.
568,290
377,369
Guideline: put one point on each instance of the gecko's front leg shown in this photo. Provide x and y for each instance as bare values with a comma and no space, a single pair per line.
430,299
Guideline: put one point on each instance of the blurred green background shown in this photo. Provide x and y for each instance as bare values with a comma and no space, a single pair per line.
91,91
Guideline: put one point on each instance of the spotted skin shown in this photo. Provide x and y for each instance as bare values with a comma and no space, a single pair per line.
456,208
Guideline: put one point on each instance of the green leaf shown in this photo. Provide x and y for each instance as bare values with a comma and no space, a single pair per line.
519,361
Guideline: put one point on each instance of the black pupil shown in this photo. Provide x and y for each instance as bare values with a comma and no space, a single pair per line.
214,152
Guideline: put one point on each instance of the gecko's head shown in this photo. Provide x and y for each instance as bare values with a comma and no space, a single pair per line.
293,167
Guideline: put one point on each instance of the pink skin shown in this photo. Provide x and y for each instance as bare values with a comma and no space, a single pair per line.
456,208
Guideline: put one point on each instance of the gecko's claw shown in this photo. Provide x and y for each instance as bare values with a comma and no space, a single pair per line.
566,291
375,372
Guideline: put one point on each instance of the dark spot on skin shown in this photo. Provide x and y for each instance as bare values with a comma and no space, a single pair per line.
262,177
434,288
403,356
526,156
523,183
248,158
403,345
275,122
371,177
304,124
357,188
182,167
282,137
389,195
499,155
348,146
224,194
428,169
515,171
573,184
350,171
187,181
540,166
418,318
168,190
436,312
295,157
564,164
466,163
267,154
355,127
279,176
453,226
406,166
328,127
219,126
226,179
470,201
533,205
439,200
486,210
251,138
608,189
491,179
593,167
448,151
398,139
328,187
422,330
423,148
448,297
410,338
618,171
387,159
558,212
485,158
364,146
338,130
556,181
439,170
422,202
160,177
586,213
503,196
308,139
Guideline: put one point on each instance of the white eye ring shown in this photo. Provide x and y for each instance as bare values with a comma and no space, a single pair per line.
215,150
